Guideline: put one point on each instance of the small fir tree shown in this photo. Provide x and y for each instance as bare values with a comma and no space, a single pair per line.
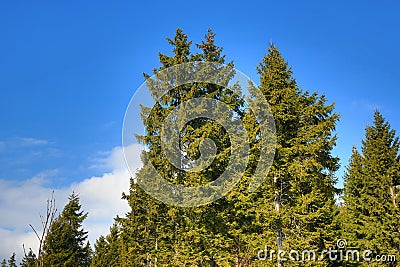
29,260
65,243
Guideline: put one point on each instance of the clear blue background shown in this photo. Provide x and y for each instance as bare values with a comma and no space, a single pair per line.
69,69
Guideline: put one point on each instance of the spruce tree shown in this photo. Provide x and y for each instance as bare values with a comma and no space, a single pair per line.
100,252
11,261
371,210
3,263
29,260
147,226
297,205
107,250
156,232
65,243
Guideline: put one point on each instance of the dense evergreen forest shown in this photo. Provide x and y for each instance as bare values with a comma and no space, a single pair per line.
297,208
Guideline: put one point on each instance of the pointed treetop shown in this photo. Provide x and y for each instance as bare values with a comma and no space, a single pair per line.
274,69
211,52
381,134
181,44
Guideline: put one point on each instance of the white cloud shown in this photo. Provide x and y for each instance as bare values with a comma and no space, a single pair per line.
28,141
18,142
21,203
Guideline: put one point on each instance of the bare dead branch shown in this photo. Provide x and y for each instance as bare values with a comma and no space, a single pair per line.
46,222
35,231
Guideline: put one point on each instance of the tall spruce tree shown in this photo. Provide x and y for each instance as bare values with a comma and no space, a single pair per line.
153,231
297,207
3,263
371,210
148,231
65,243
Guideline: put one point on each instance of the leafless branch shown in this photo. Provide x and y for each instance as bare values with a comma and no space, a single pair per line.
46,224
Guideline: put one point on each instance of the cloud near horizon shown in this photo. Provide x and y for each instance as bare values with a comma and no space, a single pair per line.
22,203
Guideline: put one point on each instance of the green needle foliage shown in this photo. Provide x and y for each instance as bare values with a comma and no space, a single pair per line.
107,249
11,261
371,204
154,232
231,230
301,180
65,244
29,260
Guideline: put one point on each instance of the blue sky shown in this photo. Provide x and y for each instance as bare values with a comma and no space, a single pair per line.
69,69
